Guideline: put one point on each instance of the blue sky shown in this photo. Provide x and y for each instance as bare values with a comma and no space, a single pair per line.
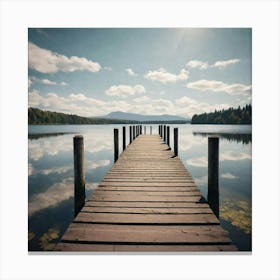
92,72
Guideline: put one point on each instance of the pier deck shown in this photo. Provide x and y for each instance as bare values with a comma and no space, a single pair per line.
147,202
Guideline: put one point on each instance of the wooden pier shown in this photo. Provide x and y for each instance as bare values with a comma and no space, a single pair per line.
147,202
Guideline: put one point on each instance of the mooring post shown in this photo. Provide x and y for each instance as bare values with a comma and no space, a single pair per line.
141,129
168,136
213,174
116,144
124,137
133,132
176,141
130,134
144,129
159,129
79,173
150,129
161,133
164,133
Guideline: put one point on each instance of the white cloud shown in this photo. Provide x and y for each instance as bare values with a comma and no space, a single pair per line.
97,164
52,196
30,169
141,99
189,106
80,104
221,64
44,81
130,72
125,90
219,86
197,64
229,176
234,156
161,75
201,180
198,162
46,61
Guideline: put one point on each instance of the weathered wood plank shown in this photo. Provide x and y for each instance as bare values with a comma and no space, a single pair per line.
94,209
89,233
85,247
170,219
150,204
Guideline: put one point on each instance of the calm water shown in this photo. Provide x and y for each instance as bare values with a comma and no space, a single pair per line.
50,169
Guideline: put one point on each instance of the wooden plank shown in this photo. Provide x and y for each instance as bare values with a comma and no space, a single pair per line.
149,204
134,198
81,247
146,218
202,210
152,184
99,193
91,233
146,188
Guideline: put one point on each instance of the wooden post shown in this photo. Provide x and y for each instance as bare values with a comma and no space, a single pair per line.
176,142
159,129
116,144
150,129
79,173
141,129
124,137
213,174
161,132
168,136
130,134
164,133
133,132
145,130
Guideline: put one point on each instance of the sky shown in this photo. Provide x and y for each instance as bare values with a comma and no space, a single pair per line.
177,71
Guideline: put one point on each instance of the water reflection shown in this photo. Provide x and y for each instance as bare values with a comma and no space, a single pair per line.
50,169
244,138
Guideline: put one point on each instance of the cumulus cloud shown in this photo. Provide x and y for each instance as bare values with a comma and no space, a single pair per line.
227,155
221,64
125,90
229,176
201,180
130,72
81,104
198,162
161,75
234,156
46,61
219,86
141,99
197,64
192,106
55,194
97,164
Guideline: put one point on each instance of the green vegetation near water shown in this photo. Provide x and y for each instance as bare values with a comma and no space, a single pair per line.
37,116
229,116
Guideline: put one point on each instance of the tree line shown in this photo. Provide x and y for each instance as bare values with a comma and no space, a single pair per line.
228,116
37,116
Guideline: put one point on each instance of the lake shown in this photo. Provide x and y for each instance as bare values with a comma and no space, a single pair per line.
51,178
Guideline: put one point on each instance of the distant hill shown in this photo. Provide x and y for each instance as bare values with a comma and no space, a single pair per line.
229,116
38,116
143,118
